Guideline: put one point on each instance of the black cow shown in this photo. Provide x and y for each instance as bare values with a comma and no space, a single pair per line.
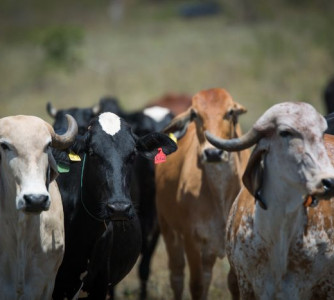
102,231
152,119
82,115
328,96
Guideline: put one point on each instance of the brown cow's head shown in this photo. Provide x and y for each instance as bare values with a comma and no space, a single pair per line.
213,110
26,162
289,152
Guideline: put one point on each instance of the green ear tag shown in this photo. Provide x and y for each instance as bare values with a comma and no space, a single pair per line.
62,168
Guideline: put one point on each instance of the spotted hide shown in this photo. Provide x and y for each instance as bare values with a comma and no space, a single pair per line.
280,238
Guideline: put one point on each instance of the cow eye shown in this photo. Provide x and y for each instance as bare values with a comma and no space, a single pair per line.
285,133
4,146
91,152
132,157
47,147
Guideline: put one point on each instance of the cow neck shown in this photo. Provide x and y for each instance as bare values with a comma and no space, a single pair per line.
280,226
219,176
81,198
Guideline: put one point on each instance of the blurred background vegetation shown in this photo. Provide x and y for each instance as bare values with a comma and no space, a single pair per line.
74,52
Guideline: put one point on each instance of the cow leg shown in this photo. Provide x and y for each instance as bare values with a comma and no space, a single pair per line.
96,280
208,261
196,269
232,282
176,260
144,266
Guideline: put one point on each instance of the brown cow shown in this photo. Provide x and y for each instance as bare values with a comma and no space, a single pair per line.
281,246
196,188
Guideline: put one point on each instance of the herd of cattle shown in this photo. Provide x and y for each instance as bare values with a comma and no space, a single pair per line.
82,200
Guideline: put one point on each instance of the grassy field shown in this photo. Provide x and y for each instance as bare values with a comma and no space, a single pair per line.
279,53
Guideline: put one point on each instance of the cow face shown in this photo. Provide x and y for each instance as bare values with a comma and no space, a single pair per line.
212,110
290,147
293,146
152,119
27,165
111,148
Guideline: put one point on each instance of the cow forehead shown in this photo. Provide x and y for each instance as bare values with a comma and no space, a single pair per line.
24,131
298,115
213,100
110,123
157,113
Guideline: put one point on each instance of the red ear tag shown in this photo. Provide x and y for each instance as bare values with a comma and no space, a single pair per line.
160,157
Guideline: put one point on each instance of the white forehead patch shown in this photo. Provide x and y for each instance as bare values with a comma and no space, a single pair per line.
157,113
110,123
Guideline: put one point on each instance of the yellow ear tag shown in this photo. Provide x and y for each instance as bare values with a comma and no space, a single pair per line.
73,156
173,137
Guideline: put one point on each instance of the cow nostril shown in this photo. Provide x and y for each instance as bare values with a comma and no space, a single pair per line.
328,183
121,208
213,154
36,202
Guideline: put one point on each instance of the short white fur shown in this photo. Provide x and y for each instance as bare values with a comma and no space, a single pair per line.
157,113
110,123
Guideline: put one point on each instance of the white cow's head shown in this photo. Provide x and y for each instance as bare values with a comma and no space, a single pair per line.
26,162
289,144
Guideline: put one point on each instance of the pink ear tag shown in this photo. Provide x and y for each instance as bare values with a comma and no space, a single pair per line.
160,157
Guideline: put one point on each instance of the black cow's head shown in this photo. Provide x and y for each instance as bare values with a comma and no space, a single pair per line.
151,119
81,115
110,148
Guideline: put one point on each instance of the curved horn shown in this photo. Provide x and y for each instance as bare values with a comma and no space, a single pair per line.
96,109
65,140
51,110
245,141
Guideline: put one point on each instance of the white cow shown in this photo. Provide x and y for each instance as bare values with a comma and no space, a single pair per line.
31,212
280,237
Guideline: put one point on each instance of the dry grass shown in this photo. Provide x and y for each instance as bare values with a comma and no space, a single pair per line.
284,56
158,286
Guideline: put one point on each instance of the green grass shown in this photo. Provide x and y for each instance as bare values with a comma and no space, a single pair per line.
283,54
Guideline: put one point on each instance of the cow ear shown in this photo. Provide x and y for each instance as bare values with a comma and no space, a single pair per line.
253,175
178,126
52,171
148,145
80,143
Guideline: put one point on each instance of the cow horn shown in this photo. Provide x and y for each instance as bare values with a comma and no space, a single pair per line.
51,110
96,109
65,140
245,141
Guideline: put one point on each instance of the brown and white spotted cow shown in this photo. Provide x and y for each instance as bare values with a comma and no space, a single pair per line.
280,237
31,211
196,188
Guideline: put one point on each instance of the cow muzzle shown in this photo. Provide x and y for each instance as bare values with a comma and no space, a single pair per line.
324,191
120,210
35,203
213,155
327,187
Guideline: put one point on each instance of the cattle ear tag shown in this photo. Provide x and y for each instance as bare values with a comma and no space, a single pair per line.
62,168
173,137
160,157
73,156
